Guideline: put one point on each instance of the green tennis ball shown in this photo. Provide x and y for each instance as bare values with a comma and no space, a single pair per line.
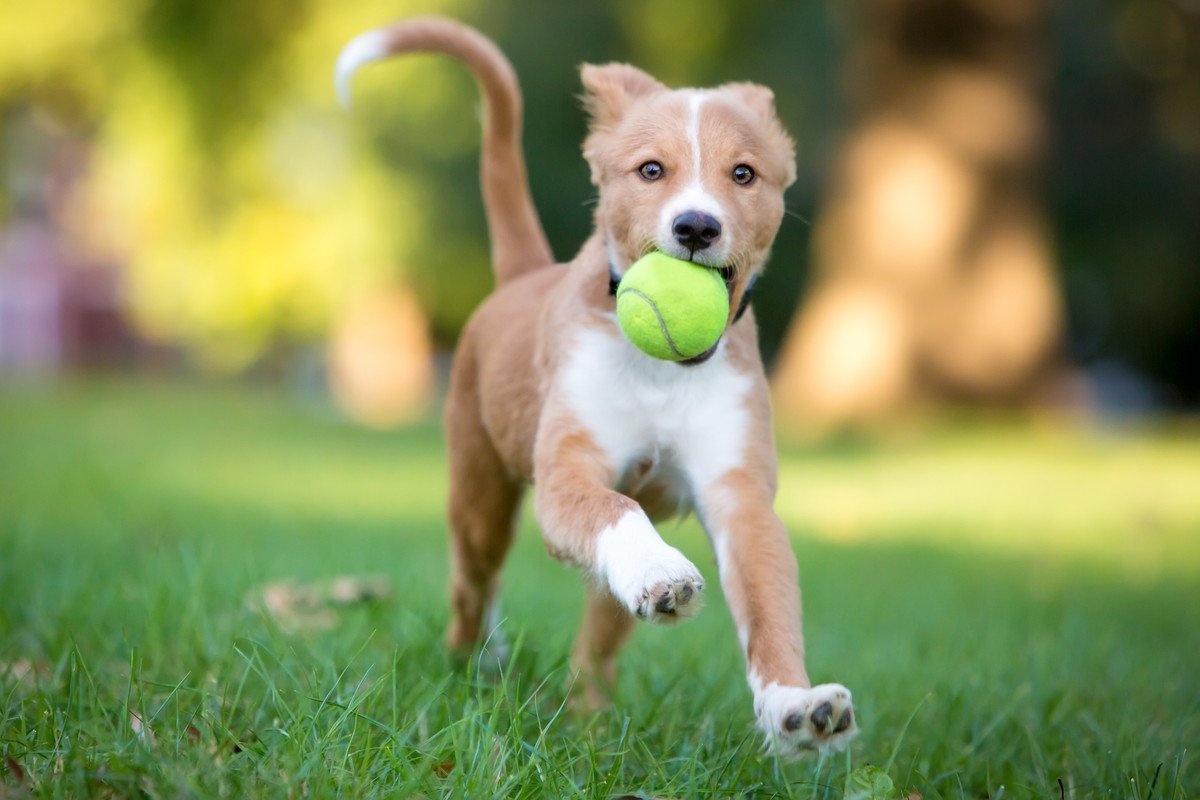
672,309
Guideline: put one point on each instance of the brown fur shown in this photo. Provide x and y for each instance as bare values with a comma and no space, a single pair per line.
507,427
518,242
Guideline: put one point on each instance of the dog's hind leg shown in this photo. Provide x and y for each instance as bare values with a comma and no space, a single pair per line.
484,501
605,628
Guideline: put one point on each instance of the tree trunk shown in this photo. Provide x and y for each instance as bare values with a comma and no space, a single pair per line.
933,275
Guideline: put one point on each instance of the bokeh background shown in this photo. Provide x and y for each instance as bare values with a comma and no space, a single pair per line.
227,308
998,202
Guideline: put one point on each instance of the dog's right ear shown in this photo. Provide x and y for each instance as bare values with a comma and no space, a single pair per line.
609,89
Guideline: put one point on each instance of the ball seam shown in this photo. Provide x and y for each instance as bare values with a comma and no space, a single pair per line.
661,323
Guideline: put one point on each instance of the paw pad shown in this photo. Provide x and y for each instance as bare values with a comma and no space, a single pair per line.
672,600
798,719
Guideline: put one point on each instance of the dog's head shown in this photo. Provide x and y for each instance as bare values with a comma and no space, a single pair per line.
696,173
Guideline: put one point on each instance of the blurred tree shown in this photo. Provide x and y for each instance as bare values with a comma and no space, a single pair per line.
1124,183
934,277
251,214
221,173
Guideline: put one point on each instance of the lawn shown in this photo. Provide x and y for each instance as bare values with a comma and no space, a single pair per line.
1012,607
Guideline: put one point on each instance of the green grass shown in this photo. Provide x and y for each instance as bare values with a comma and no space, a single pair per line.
1029,598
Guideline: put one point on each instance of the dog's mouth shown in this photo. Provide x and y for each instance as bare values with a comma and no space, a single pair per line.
727,274
700,359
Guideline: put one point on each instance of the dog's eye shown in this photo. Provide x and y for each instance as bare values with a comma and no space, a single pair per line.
743,174
651,170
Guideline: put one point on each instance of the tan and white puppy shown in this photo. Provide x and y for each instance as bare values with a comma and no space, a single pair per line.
546,392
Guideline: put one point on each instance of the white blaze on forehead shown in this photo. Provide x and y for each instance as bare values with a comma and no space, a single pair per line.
694,102
693,196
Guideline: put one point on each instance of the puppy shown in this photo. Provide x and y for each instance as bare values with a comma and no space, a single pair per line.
546,392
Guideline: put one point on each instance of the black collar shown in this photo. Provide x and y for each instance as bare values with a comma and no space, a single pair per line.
614,280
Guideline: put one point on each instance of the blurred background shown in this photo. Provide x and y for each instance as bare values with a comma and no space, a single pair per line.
981,316
998,202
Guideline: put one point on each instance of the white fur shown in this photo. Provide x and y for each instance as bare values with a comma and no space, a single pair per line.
689,422
690,418
693,196
494,637
715,503
614,258
692,421
774,703
362,50
639,566
719,537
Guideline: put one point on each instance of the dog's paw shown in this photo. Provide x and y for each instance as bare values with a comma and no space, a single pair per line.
663,588
669,590
653,580
796,720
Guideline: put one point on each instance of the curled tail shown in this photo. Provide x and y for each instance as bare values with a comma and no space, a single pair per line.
518,241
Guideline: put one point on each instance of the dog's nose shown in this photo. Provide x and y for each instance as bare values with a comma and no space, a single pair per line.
696,230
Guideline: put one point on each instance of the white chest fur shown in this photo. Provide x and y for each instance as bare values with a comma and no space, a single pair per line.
693,418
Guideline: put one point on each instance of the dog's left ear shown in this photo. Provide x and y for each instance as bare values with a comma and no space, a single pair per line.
761,100
611,88
755,96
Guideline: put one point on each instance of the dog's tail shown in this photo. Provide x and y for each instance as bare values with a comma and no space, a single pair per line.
518,241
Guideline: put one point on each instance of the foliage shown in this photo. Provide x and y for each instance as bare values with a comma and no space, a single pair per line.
244,203
249,208
869,783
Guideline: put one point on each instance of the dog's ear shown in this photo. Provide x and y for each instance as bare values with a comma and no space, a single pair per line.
755,96
761,101
609,89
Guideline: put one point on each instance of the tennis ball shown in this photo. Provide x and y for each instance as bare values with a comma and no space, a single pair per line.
672,309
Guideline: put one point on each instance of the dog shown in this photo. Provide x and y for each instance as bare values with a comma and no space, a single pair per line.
545,391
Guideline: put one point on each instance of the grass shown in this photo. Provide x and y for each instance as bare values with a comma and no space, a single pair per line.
1012,608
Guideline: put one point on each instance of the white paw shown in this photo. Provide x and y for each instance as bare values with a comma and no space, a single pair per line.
796,719
650,578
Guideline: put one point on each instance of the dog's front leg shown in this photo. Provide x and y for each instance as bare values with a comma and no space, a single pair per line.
586,522
759,577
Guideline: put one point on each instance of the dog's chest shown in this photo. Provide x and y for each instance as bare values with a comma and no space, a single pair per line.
655,420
